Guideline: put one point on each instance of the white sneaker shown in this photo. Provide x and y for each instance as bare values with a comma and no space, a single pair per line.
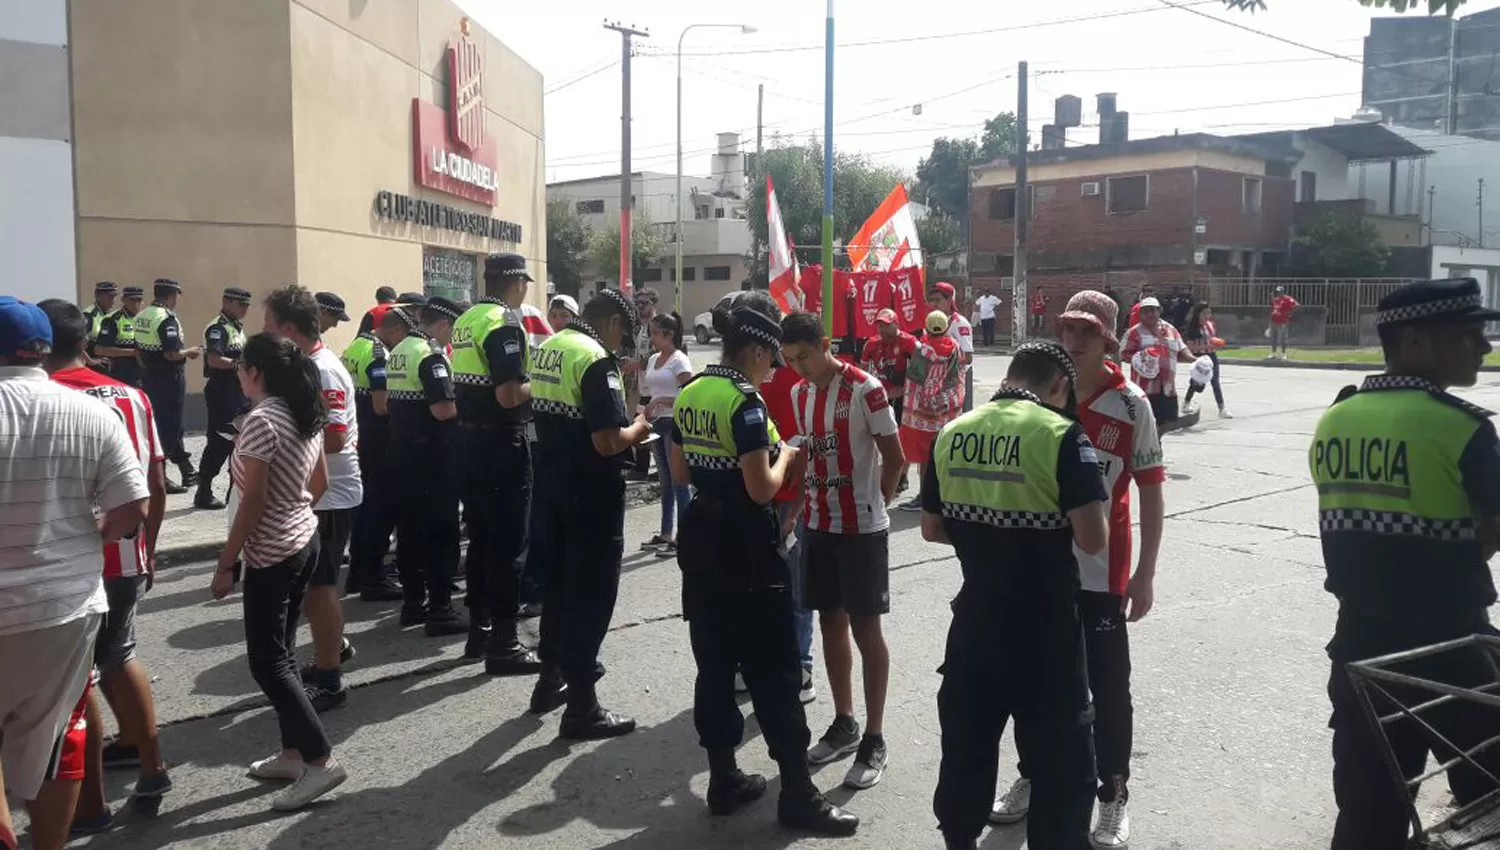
1012,806
1112,829
808,692
739,684
1225,414
277,767
315,781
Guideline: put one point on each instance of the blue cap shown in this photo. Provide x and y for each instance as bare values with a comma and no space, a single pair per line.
24,329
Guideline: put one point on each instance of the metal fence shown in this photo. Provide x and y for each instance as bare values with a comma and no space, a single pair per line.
1345,300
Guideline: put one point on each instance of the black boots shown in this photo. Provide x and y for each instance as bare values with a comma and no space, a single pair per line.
729,788
443,621
550,692
189,477
586,720
505,655
479,638
205,499
804,808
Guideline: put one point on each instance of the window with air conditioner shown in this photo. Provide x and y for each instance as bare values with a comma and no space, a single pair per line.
1126,194
1250,196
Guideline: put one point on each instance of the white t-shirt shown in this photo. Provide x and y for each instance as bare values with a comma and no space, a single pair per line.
65,456
345,490
840,423
660,380
987,305
962,333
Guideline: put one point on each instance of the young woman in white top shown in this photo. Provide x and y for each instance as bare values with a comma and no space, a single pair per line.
667,369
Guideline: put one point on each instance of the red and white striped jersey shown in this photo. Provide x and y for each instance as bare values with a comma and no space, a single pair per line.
123,558
839,424
1118,421
535,323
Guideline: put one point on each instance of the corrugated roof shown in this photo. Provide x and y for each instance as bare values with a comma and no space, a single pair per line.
1357,141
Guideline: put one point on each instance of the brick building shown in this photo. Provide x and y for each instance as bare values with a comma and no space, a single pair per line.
1165,210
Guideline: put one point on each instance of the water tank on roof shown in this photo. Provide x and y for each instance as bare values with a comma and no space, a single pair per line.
1114,129
1106,103
1053,137
1368,115
1067,111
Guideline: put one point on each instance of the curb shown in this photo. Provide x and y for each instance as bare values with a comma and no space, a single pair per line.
1325,365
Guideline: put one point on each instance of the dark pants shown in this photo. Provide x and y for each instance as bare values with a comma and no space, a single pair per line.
426,483
496,475
538,556
586,533
987,329
1193,389
224,400
1107,647
1372,813
1163,407
126,370
167,389
375,518
272,604
1045,687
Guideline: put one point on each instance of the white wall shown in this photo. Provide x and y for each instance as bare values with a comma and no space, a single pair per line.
1330,166
1454,169
37,255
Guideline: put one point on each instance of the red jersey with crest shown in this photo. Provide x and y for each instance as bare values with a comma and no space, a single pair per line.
124,558
839,424
1118,421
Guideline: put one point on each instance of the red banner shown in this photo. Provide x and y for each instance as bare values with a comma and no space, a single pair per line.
908,299
872,293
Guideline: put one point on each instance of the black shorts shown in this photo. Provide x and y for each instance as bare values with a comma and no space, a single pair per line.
1163,407
847,571
333,538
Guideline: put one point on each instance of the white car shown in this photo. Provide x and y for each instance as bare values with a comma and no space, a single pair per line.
703,323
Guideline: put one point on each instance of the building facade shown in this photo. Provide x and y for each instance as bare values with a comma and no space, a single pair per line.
339,145
1435,73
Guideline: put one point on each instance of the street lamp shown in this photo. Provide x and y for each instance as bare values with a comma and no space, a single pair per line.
747,29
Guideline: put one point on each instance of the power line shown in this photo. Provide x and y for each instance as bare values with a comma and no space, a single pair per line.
582,77
1187,7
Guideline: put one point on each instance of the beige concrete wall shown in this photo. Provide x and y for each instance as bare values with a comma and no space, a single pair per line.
353,266
355,69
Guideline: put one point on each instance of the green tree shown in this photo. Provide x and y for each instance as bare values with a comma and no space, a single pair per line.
568,240
1434,7
648,246
944,173
859,185
1334,245
941,235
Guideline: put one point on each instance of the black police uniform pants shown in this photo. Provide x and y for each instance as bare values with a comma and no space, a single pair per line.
167,390
538,557
1372,813
375,518
496,474
586,533
426,521
224,400
1107,646
1045,687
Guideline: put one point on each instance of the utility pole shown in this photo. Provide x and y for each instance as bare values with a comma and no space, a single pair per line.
626,32
1019,300
828,178
1431,200
760,165
1481,212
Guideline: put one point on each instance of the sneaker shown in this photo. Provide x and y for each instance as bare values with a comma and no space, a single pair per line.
529,610
808,692
91,826
666,550
117,755
911,505
654,543
869,765
326,699
841,739
739,684
277,767
1012,806
153,786
902,485
1225,414
309,672
1112,830
315,781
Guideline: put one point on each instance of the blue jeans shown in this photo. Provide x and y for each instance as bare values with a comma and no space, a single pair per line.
674,498
801,613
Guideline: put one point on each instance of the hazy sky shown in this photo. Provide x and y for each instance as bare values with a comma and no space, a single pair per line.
1172,69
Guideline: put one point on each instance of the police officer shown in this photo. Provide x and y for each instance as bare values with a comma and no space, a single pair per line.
736,593
116,340
582,429
105,292
490,354
223,340
158,338
1012,486
1409,506
419,386
375,519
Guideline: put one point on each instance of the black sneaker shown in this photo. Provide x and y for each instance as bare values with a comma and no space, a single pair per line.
413,615
869,764
92,826
596,725
446,622
735,791
153,786
384,590
117,756
667,550
206,501
814,813
841,739
309,672
323,699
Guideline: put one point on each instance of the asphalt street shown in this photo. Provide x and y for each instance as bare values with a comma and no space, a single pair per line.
1231,748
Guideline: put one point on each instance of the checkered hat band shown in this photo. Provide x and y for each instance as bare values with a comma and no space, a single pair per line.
446,311
1013,520
760,334
1430,308
624,304
1396,524
556,408
1055,353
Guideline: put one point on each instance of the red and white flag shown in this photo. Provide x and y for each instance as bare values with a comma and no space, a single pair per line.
783,263
888,240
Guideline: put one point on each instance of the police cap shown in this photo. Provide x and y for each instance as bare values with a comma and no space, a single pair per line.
133,292
105,287
1052,351
237,294
166,286
500,266
442,305
329,302
408,298
626,308
1456,299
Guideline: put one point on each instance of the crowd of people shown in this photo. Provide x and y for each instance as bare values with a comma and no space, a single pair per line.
778,465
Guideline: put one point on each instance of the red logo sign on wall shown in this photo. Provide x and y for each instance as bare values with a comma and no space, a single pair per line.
453,152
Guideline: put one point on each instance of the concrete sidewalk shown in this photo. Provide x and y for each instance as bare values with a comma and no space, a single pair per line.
189,534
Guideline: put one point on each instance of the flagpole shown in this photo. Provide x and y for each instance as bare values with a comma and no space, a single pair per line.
828,178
